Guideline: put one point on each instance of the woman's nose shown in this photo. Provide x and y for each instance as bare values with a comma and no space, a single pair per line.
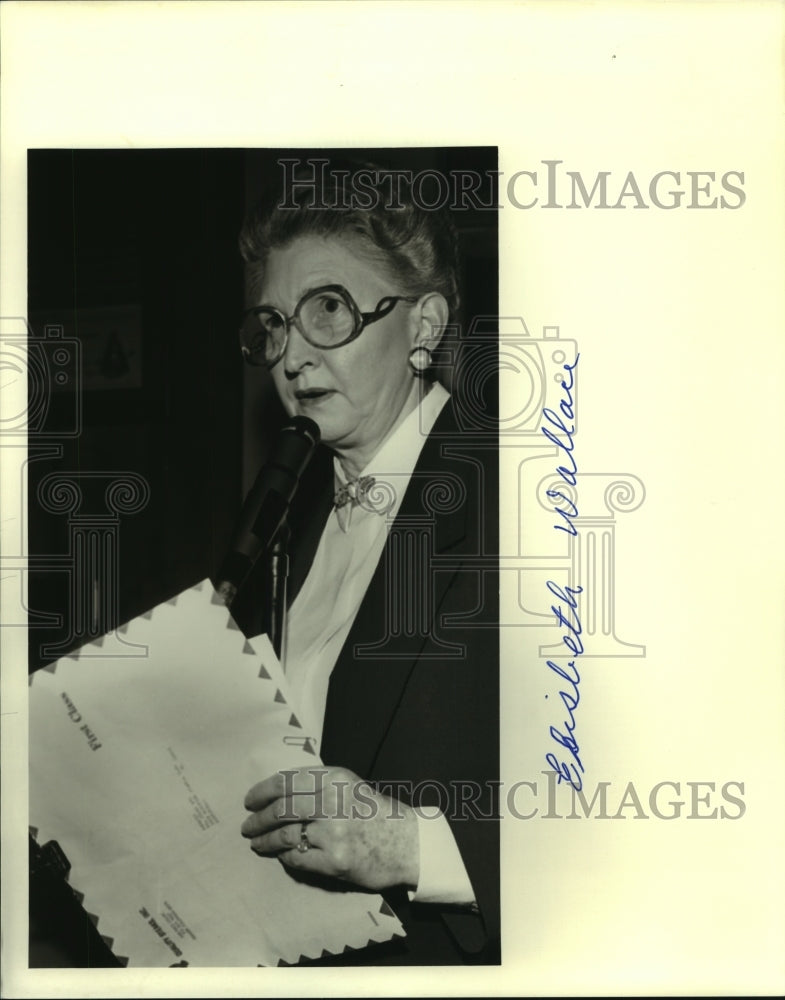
299,353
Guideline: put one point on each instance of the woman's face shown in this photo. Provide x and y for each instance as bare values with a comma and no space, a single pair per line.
355,392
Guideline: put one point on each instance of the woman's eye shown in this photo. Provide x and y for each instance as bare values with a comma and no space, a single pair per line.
327,316
328,304
272,323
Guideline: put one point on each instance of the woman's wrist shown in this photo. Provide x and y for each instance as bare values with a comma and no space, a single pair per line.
410,849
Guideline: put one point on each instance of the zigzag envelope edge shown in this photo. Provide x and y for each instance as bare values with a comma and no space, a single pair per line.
167,617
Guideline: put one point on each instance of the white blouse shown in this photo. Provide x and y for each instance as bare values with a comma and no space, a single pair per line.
324,610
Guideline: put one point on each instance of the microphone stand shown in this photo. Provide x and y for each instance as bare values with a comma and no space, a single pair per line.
277,574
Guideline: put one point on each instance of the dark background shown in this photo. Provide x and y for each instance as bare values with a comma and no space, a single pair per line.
156,231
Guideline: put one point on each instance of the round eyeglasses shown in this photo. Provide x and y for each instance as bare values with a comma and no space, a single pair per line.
327,317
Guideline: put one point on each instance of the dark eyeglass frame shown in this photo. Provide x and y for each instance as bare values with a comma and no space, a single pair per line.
361,319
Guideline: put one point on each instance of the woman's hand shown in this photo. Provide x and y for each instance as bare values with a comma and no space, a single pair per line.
353,833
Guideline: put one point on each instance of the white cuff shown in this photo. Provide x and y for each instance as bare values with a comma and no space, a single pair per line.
443,877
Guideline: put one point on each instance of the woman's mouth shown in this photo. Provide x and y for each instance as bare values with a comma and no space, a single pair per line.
309,397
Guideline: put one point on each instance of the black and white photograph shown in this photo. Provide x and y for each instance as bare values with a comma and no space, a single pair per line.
311,313
391,580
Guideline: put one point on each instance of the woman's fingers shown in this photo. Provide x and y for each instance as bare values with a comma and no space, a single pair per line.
373,847
265,792
297,781
286,839
294,809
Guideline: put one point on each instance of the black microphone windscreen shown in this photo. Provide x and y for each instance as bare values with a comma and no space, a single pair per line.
265,507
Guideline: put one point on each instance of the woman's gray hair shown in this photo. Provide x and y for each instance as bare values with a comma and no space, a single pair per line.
416,246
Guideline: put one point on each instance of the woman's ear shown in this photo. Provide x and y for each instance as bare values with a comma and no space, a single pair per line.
430,319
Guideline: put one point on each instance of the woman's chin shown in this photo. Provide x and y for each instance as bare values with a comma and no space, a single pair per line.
331,432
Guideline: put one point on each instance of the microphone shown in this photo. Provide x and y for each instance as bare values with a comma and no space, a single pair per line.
266,505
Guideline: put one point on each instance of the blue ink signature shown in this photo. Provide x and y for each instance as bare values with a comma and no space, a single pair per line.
571,769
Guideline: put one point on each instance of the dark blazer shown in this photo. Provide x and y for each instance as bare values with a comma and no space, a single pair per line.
413,700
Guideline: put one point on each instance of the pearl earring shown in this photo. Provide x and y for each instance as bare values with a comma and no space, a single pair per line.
419,360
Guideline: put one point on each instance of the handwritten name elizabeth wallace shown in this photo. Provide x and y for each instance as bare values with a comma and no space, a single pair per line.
566,761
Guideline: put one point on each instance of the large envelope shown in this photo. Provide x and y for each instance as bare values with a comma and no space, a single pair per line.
138,768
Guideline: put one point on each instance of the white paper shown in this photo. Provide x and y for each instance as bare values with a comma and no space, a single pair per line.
678,315
139,767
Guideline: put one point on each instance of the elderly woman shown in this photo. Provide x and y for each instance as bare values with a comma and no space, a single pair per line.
392,641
